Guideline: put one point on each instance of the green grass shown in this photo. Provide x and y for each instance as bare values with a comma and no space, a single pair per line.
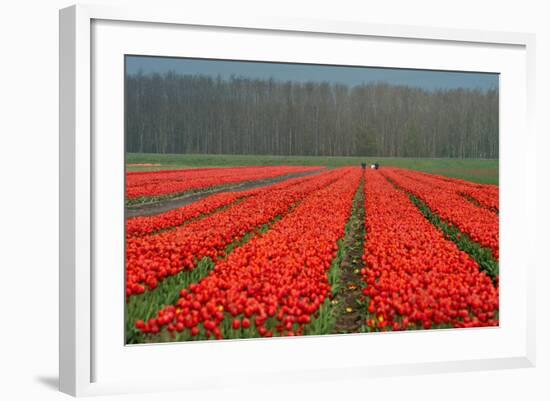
475,170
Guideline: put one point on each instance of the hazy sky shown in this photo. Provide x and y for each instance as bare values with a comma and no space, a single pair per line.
351,76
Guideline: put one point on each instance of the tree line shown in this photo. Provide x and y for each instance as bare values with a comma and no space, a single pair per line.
173,113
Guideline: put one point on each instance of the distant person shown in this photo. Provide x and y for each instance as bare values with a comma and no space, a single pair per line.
363,165
374,166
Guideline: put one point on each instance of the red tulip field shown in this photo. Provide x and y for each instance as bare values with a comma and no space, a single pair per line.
172,182
301,250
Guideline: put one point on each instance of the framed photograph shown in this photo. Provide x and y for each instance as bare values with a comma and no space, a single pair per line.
289,200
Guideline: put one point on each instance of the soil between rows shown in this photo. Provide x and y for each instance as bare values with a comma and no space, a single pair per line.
349,317
161,206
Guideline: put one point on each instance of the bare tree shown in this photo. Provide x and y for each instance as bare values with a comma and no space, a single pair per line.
173,113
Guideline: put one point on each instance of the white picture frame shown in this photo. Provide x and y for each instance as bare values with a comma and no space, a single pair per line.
82,55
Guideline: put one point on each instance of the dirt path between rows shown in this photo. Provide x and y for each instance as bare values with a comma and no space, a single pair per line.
349,316
150,209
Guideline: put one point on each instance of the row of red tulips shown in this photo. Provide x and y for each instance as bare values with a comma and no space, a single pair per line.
274,283
150,259
486,195
158,183
488,198
144,225
480,224
415,277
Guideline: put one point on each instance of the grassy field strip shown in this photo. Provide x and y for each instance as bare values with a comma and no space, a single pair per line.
454,180
483,256
483,171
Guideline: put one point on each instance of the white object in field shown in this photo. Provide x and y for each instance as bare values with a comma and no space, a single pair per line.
372,166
